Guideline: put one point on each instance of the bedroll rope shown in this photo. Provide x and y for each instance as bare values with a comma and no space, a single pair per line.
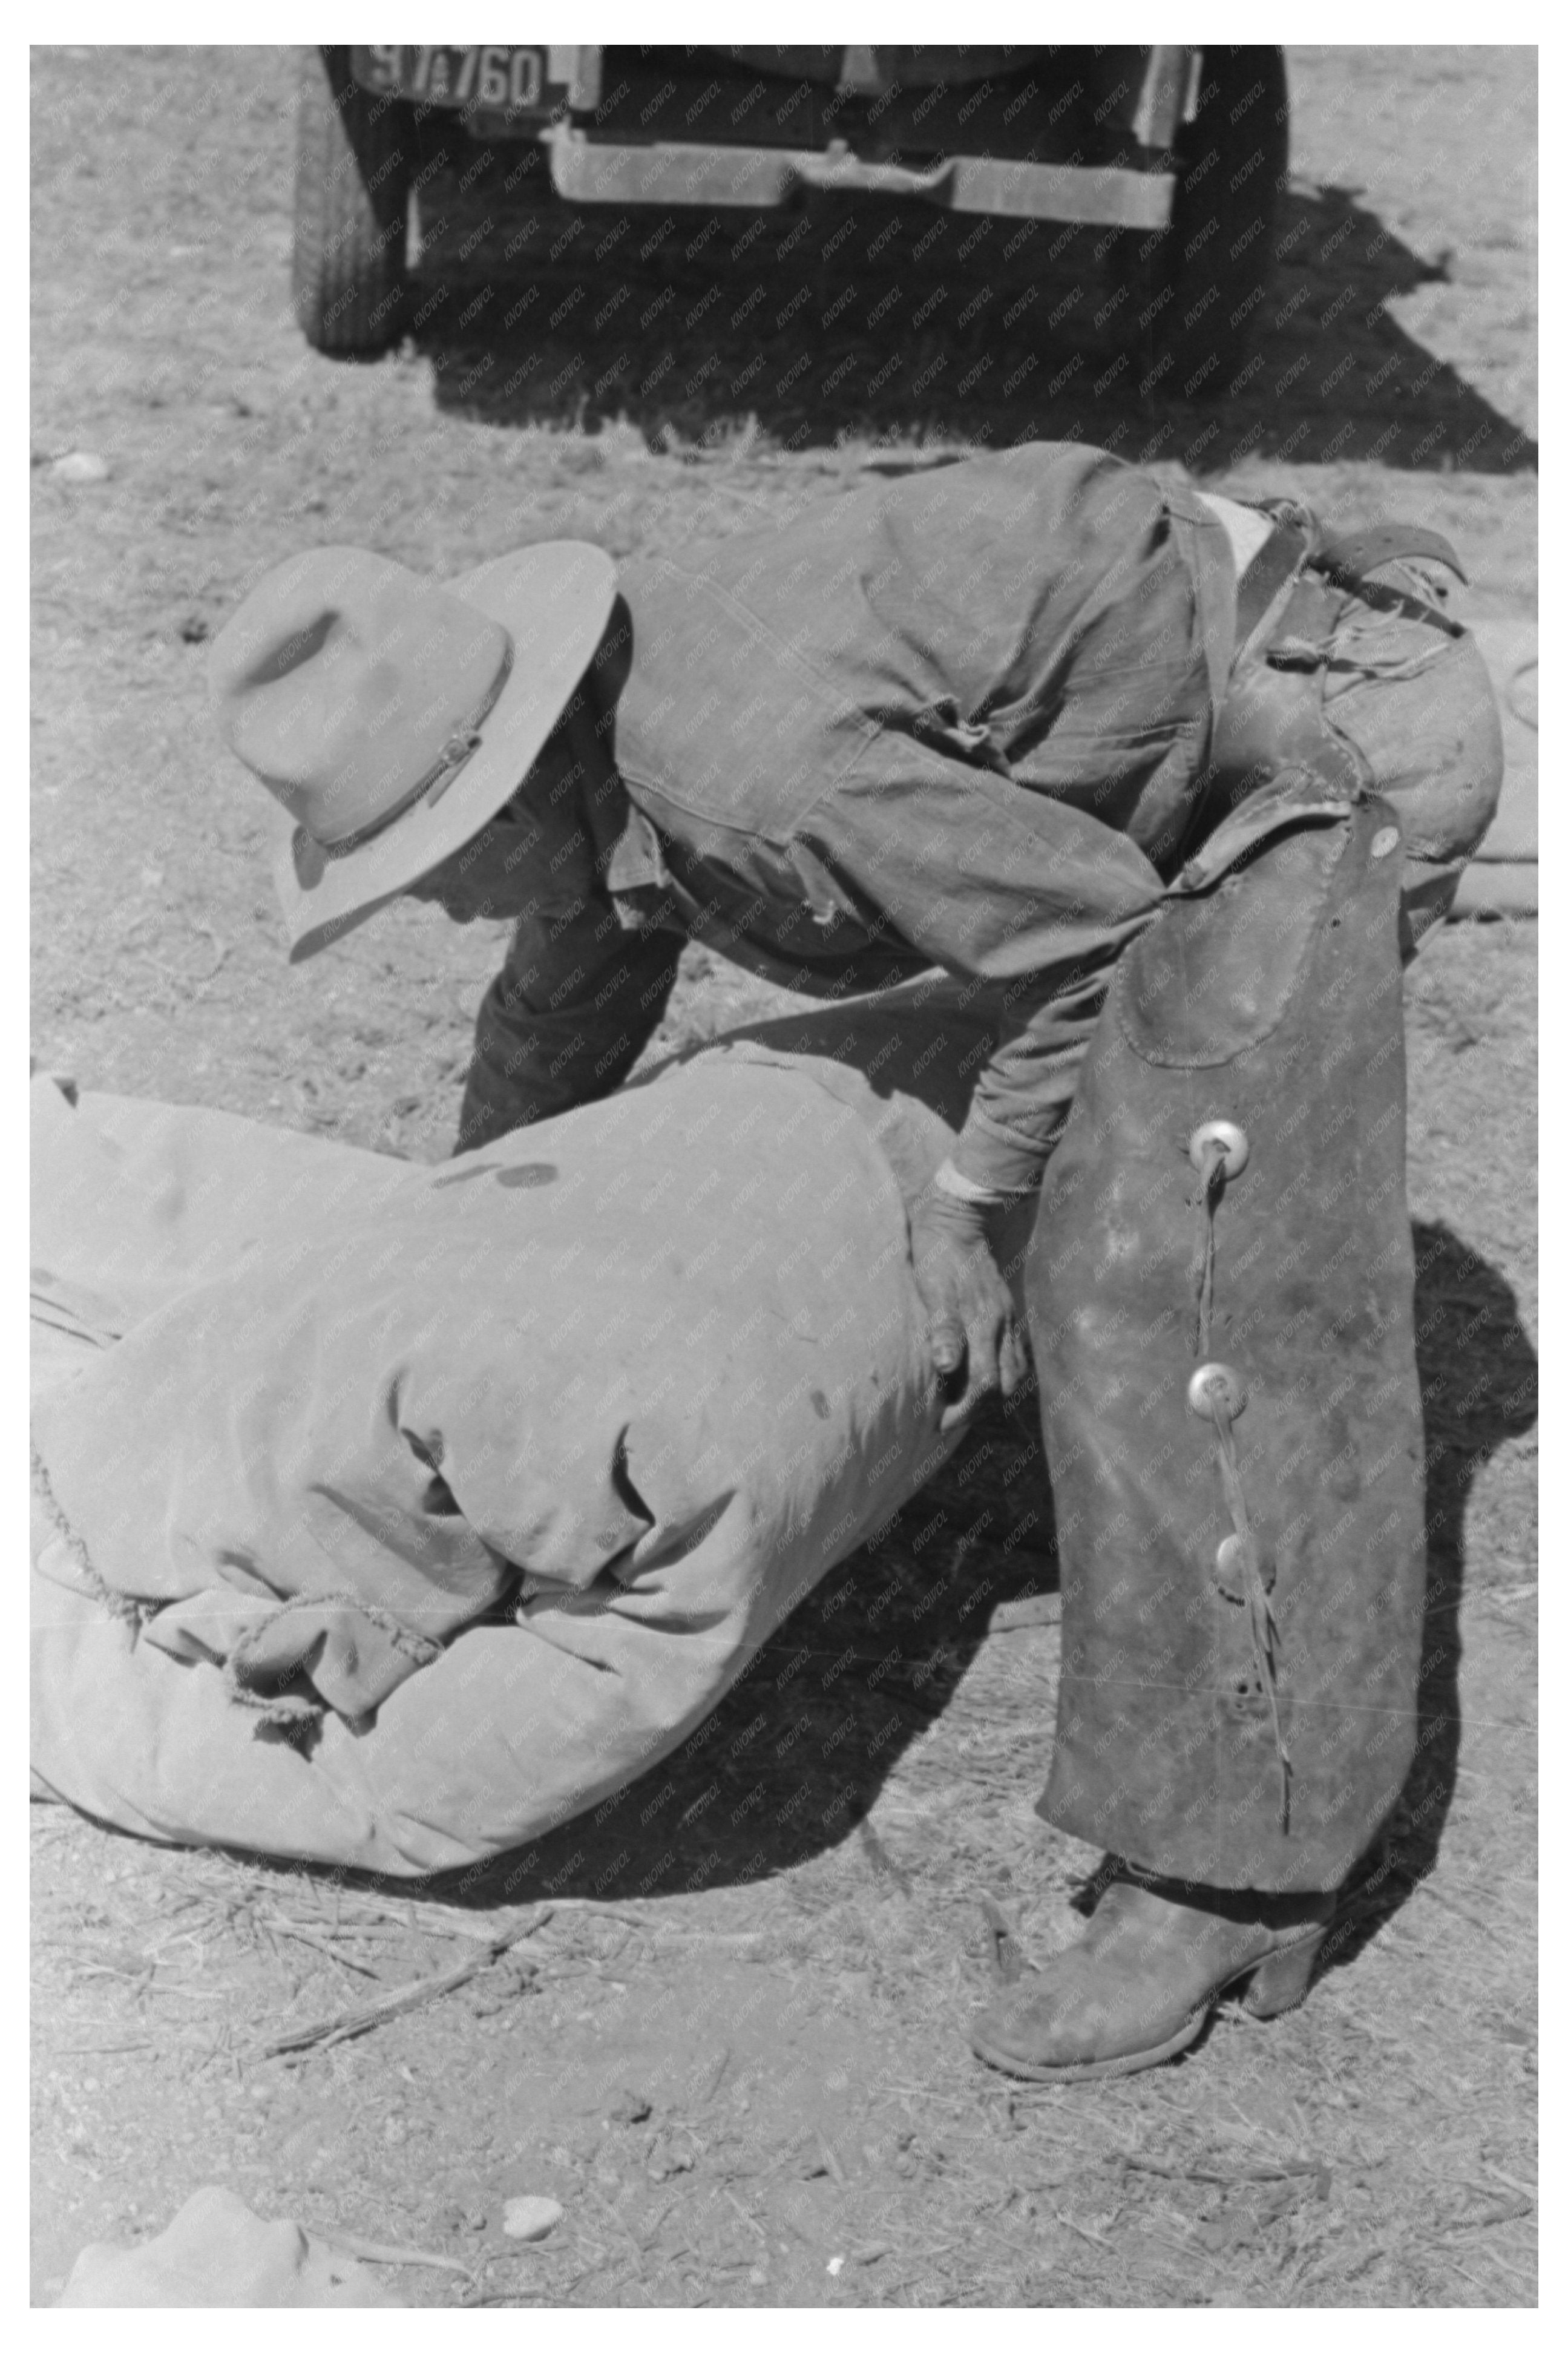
119,1604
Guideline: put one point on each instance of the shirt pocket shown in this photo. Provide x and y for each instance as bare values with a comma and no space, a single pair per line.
728,723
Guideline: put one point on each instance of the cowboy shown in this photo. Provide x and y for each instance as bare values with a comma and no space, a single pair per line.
1017,717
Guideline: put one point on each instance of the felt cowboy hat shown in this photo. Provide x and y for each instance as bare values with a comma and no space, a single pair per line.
392,717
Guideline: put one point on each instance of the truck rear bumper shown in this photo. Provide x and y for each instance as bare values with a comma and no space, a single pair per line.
590,170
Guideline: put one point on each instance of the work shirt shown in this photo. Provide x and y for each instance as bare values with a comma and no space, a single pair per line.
955,719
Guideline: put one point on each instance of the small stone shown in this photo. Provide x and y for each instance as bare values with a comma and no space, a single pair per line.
630,2108
476,2218
81,465
396,2132
529,2218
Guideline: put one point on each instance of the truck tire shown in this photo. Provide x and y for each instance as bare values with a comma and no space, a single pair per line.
353,168
1207,275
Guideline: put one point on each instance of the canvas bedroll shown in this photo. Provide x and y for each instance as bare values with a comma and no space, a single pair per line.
389,1514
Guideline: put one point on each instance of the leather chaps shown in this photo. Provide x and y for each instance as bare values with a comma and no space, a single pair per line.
1220,1289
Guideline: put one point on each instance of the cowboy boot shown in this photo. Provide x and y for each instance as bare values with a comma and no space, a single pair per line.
1137,1989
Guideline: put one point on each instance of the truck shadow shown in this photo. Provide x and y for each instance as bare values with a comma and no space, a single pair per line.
879,319
791,1761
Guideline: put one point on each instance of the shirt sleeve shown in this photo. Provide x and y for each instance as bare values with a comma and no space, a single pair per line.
578,996
1000,883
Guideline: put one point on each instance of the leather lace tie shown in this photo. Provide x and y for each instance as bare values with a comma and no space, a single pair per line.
1219,1151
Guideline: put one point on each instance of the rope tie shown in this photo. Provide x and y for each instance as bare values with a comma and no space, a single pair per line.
119,1604
1242,1552
1219,1150
282,1706
1211,1185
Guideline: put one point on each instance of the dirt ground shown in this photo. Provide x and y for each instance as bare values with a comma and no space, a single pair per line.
736,2052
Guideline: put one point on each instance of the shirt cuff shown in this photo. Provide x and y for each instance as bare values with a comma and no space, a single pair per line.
999,1167
958,1187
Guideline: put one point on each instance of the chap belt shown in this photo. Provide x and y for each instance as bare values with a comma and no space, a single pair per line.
1298,543
1290,604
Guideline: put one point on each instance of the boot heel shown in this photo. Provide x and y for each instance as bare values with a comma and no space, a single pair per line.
1280,1982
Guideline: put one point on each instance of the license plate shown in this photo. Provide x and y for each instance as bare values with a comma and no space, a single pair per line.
495,80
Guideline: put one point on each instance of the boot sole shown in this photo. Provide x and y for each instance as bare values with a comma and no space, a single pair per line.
1283,1988
1132,2062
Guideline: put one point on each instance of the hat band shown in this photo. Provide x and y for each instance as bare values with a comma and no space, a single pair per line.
454,756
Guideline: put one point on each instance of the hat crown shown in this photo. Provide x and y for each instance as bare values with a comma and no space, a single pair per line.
341,680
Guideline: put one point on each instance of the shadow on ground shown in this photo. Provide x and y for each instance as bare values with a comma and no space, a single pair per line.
1478,1388
791,1761
875,318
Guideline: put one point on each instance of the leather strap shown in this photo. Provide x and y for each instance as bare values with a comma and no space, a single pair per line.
1343,558
1205,549
1279,558
454,756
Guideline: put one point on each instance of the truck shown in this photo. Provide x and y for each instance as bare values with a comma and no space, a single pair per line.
1181,152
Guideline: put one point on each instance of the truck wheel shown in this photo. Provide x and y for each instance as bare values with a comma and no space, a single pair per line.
1206,276
353,168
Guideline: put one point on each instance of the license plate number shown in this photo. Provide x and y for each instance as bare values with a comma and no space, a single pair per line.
495,80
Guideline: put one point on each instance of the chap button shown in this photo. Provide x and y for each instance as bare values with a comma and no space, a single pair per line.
1231,1140
1230,1568
1214,1385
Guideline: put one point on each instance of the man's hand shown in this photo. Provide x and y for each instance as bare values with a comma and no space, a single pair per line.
973,1336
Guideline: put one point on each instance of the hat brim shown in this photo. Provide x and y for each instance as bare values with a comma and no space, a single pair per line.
553,601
